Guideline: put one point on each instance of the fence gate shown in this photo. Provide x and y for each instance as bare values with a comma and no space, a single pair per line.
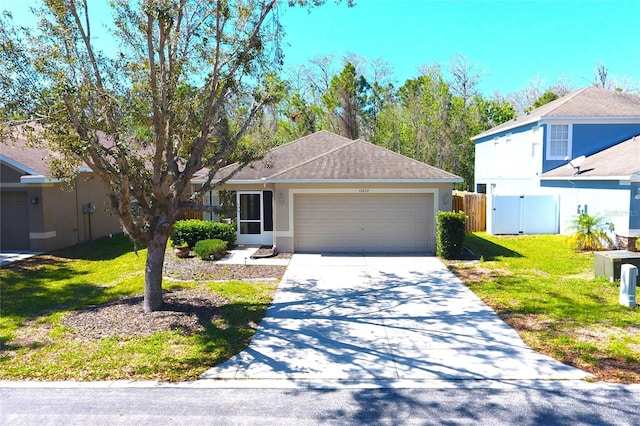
524,214
474,206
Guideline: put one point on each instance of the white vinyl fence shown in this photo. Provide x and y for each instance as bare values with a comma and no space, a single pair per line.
523,214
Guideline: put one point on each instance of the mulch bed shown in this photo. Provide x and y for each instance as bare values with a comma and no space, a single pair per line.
186,310
192,268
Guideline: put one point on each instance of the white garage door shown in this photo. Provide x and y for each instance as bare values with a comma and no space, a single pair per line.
364,223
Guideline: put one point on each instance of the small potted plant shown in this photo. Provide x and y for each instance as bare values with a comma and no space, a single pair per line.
182,250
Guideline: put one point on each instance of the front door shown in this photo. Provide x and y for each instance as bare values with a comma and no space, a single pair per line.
255,217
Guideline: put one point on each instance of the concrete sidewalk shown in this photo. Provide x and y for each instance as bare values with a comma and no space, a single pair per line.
8,257
242,255
368,319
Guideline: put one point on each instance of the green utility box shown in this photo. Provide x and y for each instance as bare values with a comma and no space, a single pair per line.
607,263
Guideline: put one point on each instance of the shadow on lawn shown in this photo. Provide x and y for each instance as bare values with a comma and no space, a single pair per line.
106,248
27,289
487,249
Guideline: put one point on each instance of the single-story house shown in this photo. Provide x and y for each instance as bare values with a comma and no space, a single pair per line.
327,193
41,213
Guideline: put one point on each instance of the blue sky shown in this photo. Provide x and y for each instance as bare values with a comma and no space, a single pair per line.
511,41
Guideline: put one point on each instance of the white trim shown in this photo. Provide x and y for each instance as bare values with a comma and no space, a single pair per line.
526,121
288,181
548,155
622,179
545,119
630,119
30,180
329,181
264,237
293,192
42,235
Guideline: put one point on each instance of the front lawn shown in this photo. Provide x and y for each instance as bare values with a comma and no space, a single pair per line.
77,314
547,292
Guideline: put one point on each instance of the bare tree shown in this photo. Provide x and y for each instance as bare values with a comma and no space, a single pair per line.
465,77
601,73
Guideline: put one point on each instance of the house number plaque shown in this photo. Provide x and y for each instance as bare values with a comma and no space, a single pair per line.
363,190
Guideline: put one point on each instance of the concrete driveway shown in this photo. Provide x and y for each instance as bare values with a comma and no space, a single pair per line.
381,320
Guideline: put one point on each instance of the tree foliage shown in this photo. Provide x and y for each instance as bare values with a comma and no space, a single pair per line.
181,96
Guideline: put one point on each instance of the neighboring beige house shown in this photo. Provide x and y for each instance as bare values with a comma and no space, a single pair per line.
327,193
39,213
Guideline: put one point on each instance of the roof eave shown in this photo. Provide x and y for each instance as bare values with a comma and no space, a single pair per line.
498,129
37,179
586,178
18,166
267,180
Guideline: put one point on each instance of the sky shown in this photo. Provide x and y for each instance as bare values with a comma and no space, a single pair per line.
511,42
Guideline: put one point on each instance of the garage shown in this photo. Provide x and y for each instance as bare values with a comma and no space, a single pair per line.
14,221
364,223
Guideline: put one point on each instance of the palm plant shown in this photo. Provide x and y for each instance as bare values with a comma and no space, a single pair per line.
591,233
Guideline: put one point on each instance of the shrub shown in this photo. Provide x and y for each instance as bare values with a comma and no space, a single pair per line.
450,231
590,233
191,231
206,249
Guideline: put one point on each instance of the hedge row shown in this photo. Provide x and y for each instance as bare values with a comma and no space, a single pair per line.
191,231
450,231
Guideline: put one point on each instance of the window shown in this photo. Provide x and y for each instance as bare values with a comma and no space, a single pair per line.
558,147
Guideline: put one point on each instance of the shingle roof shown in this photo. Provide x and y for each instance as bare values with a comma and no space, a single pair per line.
620,160
588,102
326,156
30,160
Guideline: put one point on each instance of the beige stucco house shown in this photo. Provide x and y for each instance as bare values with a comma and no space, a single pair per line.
40,213
327,193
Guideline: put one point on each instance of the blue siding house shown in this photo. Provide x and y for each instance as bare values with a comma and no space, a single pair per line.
531,156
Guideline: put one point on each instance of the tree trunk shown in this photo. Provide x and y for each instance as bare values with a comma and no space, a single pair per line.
153,272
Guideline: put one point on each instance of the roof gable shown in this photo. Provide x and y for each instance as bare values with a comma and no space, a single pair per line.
326,156
620,160
588,102
26,159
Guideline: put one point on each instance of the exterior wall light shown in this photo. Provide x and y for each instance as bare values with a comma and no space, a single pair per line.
34,199
281,198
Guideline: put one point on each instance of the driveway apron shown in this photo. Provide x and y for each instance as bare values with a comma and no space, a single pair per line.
383,318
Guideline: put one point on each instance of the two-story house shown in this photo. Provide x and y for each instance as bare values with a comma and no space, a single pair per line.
576,154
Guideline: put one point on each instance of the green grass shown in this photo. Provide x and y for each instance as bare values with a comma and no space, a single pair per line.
38,294
548,293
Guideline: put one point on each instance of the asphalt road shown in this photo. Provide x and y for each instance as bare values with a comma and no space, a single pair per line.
167,405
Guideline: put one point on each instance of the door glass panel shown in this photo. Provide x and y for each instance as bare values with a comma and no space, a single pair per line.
249,206
249,227
249,221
